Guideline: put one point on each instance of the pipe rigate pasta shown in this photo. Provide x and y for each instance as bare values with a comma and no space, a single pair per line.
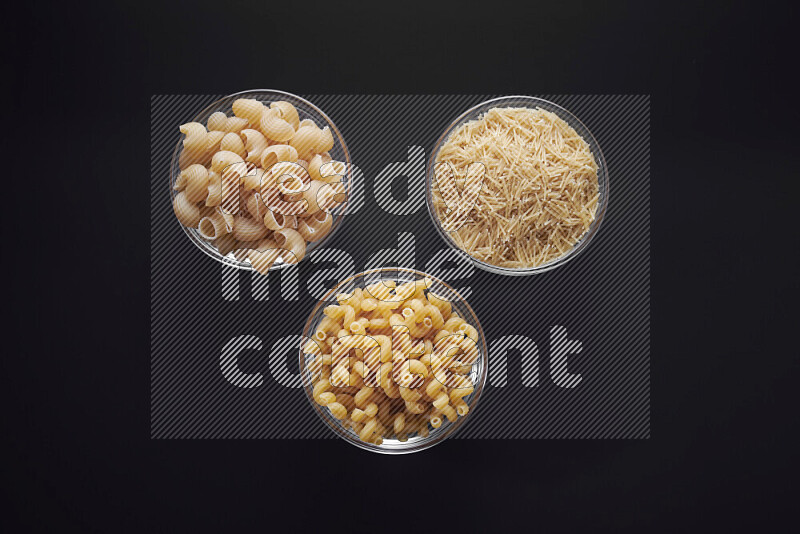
260,183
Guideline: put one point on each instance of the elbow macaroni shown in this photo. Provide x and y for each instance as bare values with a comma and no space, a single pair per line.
392,378
269,177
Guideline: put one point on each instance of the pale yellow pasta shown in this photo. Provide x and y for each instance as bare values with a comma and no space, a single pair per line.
257,208
245,184
266,255
449,412
332,171
324,140
277,221
227,217
235,124
275,153
287,112
194,145
274,127
337,410
453,324
291,240
195,134
253,179
310,194
326,398
232,142
217,121
246,229
305,140
224,162
248,109
255,144
470,331
316,227
212,226
291,178
225,244
188,213
359,326
195,183
213,139
316,163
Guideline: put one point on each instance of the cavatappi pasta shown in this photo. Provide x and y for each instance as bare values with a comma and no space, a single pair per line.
392,361
259,184
539,194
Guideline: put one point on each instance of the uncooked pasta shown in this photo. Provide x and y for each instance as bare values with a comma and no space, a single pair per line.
538,195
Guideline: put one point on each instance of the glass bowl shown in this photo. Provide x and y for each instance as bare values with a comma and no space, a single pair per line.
532,103
477,373
306,110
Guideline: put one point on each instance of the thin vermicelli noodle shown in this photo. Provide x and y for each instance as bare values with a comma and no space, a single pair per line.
539,194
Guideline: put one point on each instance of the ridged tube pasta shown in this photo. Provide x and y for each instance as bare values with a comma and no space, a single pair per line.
248,109
252,181
225,244
324,141
316,227
214,197
287,112
266,255
332,171
235,124
256,207
246,177
216,121
213,140
212,226
291,240
226,162
195,136
274,127
232,142
305,140
316,163
274,200
188,213
291,178
195,183
277,221
276,153
311,193
245,229
255,143
195,148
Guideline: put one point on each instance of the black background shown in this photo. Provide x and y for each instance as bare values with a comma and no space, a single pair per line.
724,271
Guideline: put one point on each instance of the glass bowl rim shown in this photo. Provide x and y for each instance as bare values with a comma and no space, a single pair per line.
215,106
426,443
569,118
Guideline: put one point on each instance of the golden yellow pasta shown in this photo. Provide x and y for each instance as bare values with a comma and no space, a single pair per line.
390,383
259,184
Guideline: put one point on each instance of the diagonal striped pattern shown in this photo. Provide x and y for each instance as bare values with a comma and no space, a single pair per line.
209,322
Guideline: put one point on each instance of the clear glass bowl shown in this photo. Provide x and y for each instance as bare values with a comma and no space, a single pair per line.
306,110
477,374
532,103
